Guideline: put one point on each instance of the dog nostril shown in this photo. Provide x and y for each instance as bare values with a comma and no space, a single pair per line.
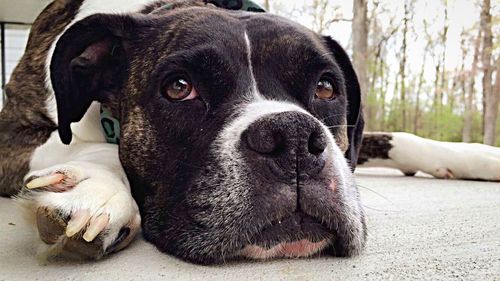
264,141
317,143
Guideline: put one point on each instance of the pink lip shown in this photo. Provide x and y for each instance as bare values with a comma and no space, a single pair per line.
297,249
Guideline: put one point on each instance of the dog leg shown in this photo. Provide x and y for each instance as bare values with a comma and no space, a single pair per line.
82,208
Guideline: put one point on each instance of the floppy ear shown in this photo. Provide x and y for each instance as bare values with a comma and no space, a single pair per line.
89,64
355,119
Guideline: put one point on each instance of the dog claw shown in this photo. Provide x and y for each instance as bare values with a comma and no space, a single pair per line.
45,181
96,226
78,221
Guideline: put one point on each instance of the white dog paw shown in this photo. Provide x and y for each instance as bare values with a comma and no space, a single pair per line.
81,210
443,173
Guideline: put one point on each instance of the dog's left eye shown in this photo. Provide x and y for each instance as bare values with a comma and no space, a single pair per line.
324,90
179,89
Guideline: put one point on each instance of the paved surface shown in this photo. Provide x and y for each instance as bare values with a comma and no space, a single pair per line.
420,229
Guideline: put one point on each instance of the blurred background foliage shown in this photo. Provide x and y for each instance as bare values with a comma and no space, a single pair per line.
428,67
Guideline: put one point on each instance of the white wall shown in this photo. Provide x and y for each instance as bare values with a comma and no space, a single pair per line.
16,37
21,10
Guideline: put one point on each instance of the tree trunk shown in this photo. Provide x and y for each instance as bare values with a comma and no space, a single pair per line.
419,90
444,80
492,105
384,80
402,66
495,101
360,48
467,131
266,5
437,98
319,12
489,103
461,74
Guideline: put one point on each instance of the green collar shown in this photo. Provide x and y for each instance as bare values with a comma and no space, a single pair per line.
111,125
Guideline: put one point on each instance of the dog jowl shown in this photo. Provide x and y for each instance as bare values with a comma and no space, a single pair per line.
239,131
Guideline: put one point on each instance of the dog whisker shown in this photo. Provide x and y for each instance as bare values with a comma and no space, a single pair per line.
376,209
376,193
327,54
340,126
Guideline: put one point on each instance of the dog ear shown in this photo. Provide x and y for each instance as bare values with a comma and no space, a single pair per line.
355,119
89,64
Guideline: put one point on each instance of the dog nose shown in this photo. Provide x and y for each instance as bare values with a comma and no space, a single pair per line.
288,141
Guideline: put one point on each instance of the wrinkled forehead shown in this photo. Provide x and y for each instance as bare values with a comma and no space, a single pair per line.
270,33
234,32
285,47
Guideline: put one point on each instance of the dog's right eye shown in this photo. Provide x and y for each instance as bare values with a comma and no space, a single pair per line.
325,90
179,89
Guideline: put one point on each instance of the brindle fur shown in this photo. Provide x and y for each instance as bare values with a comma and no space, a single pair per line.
375,145
24,121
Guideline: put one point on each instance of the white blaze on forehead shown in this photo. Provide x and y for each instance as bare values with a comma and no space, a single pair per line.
254,88
258,106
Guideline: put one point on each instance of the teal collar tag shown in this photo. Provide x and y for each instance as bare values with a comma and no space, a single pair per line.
111,125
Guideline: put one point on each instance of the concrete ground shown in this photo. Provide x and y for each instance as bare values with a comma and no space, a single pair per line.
420,229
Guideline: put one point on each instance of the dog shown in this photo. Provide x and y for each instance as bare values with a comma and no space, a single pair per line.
237,132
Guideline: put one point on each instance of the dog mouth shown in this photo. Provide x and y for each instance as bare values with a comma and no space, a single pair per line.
295,236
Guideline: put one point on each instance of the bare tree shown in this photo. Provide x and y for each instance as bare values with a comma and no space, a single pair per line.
461,75
495,98
377,50
402,64
319,10
433,44
266,5
440,81
360,46
467,130
420,83
489,103
444,37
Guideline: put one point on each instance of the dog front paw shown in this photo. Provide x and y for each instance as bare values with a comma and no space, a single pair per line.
81,211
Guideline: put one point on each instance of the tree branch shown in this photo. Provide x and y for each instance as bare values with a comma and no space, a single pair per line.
338,20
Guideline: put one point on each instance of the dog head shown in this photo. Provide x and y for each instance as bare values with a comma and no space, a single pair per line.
237,129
